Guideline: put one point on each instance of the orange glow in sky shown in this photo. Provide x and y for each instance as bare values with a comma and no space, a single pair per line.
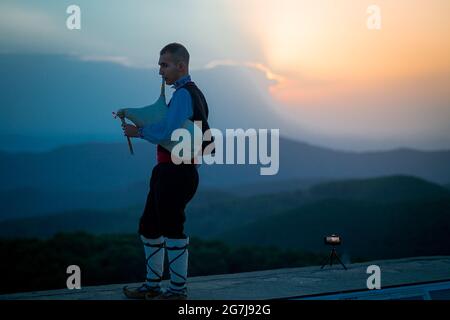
323,47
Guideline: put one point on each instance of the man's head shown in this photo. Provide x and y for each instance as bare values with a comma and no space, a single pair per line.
173,62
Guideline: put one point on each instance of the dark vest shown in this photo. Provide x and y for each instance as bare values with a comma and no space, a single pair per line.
200,112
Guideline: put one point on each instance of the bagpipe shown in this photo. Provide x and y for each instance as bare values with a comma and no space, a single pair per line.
191,144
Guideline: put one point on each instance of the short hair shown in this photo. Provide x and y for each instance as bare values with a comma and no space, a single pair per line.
178,51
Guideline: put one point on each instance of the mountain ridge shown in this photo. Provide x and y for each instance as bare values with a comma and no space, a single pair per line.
210,217
109,166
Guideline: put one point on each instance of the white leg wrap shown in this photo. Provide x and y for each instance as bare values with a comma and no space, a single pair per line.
177,252
154,256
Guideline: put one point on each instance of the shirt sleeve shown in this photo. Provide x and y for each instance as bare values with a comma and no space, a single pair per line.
179,111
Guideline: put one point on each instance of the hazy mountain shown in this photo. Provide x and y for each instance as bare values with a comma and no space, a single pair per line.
385,189
29,202
109,166
290,185
369,230
211,213
212,216
95,221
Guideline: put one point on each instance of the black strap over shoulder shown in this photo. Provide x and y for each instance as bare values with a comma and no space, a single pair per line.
200,113
200,110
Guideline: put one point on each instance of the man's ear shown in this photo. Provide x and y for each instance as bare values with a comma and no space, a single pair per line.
181,66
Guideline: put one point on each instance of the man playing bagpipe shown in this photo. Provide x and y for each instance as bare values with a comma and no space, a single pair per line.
172,185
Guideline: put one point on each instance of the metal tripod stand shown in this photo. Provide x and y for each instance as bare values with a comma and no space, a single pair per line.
330,259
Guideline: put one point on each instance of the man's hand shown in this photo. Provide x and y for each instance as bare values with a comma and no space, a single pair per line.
121,113
130,130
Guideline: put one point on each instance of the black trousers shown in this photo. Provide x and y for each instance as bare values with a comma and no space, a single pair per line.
171,188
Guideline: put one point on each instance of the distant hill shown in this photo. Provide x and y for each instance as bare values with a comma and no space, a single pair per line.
369,229
289,185
215,213
103,167
31,202
384,217
207,216
384,189
99,222
209,220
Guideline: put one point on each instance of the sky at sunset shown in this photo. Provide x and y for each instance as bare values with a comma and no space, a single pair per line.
332,75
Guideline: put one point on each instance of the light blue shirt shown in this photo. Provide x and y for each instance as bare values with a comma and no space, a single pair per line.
179,111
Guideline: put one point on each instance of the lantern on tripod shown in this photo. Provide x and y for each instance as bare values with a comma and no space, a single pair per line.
333,240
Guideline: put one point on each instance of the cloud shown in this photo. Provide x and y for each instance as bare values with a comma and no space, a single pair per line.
130,63
25,28
31,29
259,66
120,60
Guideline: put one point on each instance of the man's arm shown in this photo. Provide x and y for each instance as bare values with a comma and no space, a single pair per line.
180,110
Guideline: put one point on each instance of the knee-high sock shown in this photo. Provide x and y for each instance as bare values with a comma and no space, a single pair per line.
177,252
154,256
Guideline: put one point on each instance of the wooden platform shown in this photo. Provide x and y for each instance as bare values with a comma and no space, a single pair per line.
290,283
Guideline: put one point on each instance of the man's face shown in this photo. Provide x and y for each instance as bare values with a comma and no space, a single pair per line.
168,69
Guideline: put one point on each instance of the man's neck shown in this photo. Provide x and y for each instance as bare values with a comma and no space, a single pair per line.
181,81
